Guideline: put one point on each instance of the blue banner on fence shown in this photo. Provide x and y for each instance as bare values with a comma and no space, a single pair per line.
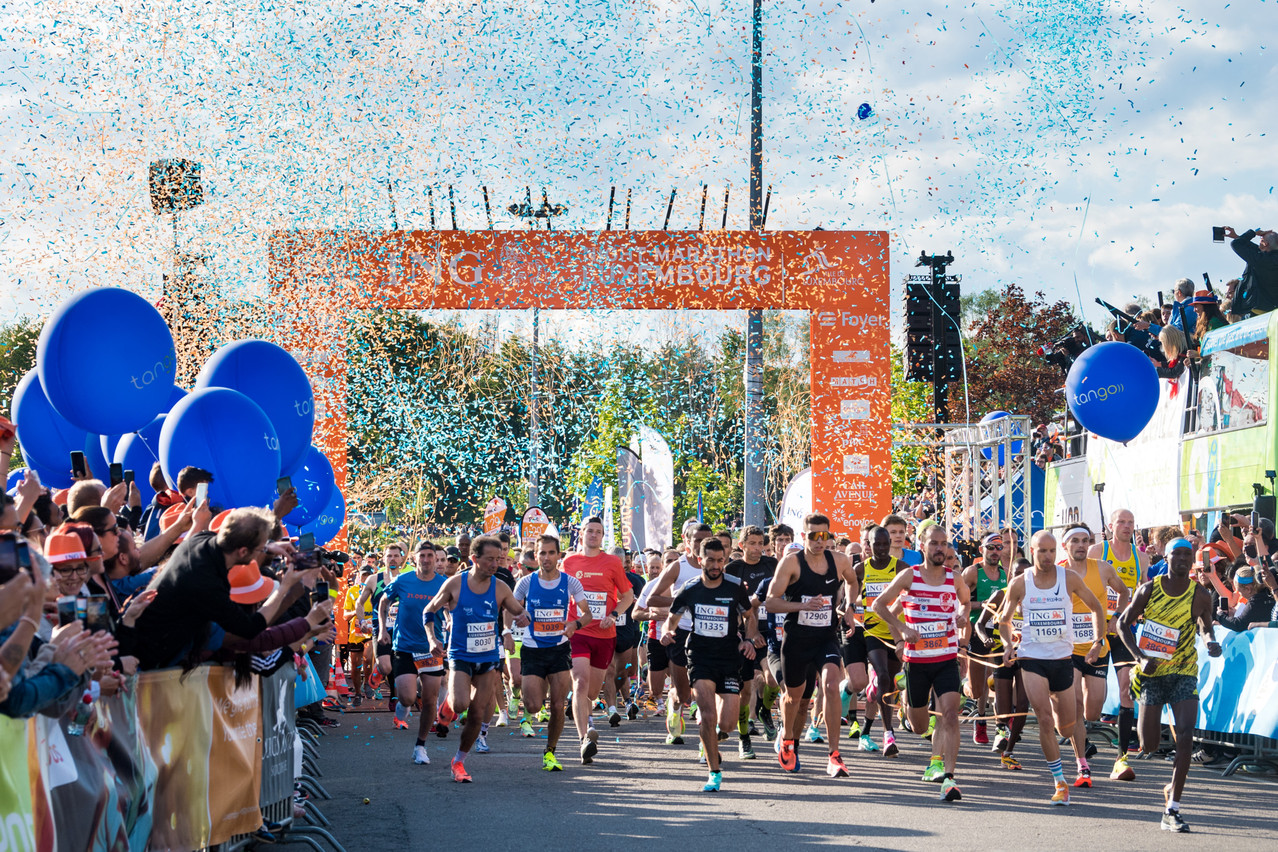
1237,691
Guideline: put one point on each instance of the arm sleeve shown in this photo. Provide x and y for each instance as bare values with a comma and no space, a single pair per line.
521,587
269,639
680,604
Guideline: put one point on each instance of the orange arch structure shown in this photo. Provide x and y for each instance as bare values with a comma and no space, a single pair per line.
839,277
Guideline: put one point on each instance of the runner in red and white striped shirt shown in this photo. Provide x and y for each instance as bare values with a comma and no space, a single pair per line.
935,610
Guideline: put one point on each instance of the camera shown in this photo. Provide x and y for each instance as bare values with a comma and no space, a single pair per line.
1065,351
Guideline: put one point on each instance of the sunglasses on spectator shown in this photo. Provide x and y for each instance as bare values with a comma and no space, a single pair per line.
70,572
821,535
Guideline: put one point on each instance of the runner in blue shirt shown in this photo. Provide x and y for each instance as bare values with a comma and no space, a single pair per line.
416,670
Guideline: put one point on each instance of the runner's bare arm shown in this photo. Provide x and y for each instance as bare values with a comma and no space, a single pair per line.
506,600
445,598
660,599
787,572
964,615
1015,593
1129,616
1113,581
1201,612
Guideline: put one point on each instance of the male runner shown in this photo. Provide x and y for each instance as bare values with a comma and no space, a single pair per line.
546,653
657,596
983,578
935,607
625,659
417,669
359,631
1011,704
609,594
1131,566
476,601
805,588
1042,595
751,569
898,529
714,648
374,586
780,536
1090,688
1169,608
876,575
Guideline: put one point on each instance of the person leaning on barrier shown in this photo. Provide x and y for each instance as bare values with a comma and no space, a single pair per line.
194,590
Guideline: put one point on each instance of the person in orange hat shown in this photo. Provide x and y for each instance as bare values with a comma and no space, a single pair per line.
70,563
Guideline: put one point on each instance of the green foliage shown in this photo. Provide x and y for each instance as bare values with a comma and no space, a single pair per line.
911,403
17,357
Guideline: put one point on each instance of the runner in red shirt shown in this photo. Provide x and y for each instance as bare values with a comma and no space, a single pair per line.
604,579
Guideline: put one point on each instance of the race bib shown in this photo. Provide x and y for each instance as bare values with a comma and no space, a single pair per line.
819,617
1157,640
872,592
1111,602
932,635
548,623
1045,625
519,634
763,612
392,615
623,619
598,602
710,620
1084,630
428,662
481,637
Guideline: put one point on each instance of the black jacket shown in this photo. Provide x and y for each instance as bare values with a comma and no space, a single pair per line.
1259,608
193,591
1258,290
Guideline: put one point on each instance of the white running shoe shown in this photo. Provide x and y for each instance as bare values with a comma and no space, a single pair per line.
481,744
502,719
420,756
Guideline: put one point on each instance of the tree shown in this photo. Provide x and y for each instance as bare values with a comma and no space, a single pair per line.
1004,369
911,403
17,357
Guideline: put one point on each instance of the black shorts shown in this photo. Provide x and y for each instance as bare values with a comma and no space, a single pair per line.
1007,672
1100,670
801,663
773,661
1118,652
661,656
723,675
922,678
626,643
543,662
980,649
751,667
404,663
1059,673
1167,689
474,670
385,649
853,647
353,648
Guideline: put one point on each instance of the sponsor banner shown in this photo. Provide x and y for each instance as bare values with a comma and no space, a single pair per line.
494,515
593,506
630,487
797,501
609,524
534,523
235,756
658,490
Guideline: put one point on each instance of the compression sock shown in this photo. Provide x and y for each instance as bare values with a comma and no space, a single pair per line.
483,730
1083,765
460,757
770,697
1058,773
421,742
1126,720
865,729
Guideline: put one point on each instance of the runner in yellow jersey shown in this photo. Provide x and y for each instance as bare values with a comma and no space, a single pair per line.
1132,567
1169,608
875,573
1092,683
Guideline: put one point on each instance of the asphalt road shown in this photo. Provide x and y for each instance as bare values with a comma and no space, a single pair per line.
639,790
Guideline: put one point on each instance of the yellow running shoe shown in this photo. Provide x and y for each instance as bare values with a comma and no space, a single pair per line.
550,764
1061,796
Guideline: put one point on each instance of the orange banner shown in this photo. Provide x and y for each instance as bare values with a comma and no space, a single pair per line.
841,277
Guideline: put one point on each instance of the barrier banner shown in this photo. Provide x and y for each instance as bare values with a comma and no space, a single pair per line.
17,812
279,723
235,756
658,486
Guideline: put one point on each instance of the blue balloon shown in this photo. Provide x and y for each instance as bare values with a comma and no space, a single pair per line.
272,378
1112,390
15,476
230,436
47,438
110,442
135,455
330,521
313,482
1017,446
97,462
107,387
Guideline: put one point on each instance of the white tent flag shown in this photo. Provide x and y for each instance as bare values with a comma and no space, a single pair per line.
658,486
797,501
610,531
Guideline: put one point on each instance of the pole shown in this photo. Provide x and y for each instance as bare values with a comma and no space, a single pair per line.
754,510
534,427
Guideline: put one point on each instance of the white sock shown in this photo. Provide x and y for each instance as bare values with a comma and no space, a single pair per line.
1173,806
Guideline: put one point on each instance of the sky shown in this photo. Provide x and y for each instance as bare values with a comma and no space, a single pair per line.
1079,147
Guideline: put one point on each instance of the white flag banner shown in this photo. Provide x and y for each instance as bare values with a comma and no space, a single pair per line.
797,502
610,529
658,487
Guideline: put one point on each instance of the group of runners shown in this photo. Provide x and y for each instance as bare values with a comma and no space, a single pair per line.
912,636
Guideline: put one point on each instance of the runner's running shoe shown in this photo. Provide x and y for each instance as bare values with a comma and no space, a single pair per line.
935,770
1061,796
1002,737
671,739
950,791
713,782
889,744
1084,778
550,764
614,718
632,711
589,747
834,767
1121,771
701,755
980,734
502,719
868,744
813,735
512,705
1009,762
769,725
526,729
854,731
460,775
788,756
481,744
931,727
420,756
1173,822
845,700
446,714
745,750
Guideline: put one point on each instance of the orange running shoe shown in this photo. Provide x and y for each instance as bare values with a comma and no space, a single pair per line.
460,775
835,768
788,757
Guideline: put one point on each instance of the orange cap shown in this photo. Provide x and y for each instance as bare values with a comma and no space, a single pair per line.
248,586
64,547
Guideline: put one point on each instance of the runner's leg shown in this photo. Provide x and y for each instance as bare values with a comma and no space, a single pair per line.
560,682
707,721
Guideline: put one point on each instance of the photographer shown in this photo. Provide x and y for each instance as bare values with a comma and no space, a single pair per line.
194,591
1258,288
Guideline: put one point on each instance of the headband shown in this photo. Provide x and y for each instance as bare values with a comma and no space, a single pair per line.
1077,530
992,537
1178,544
